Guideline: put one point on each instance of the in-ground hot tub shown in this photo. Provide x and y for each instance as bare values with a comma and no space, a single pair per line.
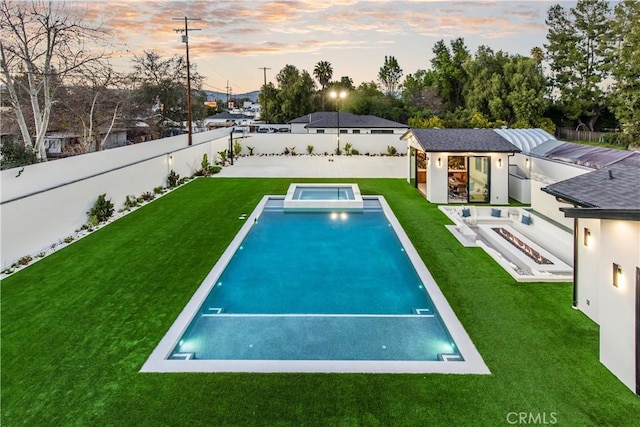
323,197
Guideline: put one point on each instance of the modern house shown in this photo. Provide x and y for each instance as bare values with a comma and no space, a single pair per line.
605,208
345,123
460,165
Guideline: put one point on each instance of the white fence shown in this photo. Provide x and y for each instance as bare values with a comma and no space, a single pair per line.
264,143
42,204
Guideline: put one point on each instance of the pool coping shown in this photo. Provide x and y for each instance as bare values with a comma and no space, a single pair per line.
472,364
293,204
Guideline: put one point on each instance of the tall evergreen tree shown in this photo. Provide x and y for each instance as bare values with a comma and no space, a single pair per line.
452,77
626,68
390,74
294,95
579,55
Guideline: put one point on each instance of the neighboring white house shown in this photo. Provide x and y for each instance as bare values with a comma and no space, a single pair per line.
604,206
226,119
345,123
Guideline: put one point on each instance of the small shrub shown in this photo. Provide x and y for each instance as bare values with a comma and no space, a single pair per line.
172,179
205,162
223,157
355,152
391,150
309,149
214,169
41,255
7,270
147,197
130,202
237,148
25,260
102,209
158,190
250,150
68,239
183,180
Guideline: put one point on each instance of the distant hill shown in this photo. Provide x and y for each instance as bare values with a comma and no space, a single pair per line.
212,95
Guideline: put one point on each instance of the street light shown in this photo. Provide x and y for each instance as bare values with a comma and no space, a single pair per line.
338,96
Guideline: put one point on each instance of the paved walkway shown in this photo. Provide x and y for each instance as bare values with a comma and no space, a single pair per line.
317,167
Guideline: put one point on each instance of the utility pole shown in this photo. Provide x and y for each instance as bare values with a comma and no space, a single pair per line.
185,40
228,93
264,94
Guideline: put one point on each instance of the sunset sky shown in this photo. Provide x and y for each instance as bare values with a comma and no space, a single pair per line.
238,37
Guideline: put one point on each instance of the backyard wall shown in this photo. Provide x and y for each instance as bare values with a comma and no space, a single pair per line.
265,143
42,204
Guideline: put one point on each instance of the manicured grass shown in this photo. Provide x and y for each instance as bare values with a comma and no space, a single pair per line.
78,325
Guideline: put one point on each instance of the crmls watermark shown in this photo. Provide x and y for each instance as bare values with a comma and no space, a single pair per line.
533,418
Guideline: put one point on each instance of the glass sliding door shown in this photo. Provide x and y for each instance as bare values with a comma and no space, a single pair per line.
457,179
479,179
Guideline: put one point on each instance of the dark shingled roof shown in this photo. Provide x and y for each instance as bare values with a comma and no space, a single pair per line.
613,187
347,120
462,140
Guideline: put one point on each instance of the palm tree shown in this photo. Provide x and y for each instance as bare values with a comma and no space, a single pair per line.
323,73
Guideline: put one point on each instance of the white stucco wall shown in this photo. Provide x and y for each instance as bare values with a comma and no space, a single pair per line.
47,202
545,172
269,143
437,178
589,268
620,245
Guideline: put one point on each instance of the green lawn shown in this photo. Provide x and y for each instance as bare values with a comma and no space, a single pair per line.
78,325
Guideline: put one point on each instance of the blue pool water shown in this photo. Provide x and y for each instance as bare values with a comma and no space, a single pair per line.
318,286
323,193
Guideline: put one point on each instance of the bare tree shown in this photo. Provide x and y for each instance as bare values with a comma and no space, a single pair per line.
41,43
94,103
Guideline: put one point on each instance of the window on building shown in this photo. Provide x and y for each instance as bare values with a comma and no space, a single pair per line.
356,131
387,131
344,130
319,130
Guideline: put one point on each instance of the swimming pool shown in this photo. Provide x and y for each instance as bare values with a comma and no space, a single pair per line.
318,292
